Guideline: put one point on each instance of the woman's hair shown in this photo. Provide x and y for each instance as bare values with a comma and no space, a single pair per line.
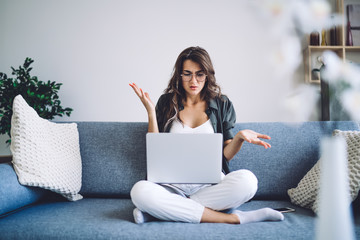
175,87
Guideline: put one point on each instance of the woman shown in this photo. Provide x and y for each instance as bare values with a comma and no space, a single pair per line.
193,103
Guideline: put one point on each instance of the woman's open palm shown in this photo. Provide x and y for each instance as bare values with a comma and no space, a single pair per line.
254,138
144,97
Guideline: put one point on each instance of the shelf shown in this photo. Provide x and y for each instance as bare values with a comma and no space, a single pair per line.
324,48
346,53
355,48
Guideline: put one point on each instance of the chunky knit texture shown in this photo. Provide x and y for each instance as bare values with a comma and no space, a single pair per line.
352,139
305,194
45,154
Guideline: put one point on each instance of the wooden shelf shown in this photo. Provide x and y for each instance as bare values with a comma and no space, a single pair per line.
311,53
353,48
324,48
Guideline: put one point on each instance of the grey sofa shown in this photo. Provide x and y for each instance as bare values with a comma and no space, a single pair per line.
113,158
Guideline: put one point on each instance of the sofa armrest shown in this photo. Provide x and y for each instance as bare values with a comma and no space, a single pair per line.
13,195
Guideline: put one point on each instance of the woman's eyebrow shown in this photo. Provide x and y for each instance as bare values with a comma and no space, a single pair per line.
191,72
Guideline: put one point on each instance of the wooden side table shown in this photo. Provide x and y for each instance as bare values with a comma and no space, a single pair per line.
5,158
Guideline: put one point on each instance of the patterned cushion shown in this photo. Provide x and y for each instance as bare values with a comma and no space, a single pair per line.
353,150
306,192
45,154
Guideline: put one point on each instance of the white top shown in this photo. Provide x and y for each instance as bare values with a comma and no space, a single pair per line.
179,127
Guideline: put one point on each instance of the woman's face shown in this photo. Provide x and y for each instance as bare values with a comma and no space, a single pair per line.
193,78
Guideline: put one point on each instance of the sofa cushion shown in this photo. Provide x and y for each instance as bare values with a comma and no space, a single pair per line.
45,154
112,219
294,151
13,195
115,153
306,192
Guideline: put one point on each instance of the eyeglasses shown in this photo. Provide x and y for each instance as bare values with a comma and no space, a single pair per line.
200,77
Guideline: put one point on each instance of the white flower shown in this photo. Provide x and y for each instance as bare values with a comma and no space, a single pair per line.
351,102
333,66
301,103
285,56
313,15
344,78
276,15
284,22
275,9
338,70
307,15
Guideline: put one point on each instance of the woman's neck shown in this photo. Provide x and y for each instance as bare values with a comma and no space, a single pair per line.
193,100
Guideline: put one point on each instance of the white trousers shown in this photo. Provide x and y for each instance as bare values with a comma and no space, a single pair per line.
161,202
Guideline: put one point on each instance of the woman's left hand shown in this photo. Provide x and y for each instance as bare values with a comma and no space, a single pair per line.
253,137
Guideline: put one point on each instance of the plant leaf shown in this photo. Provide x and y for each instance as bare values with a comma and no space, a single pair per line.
42,96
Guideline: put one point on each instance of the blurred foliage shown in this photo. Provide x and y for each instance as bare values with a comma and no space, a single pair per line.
42,96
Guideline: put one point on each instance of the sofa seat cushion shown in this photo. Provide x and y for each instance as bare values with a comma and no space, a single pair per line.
13,195
99,218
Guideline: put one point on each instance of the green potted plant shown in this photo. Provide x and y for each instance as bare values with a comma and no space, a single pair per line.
42,96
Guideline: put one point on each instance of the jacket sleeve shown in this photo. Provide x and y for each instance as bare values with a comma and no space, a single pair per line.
160,115
228,118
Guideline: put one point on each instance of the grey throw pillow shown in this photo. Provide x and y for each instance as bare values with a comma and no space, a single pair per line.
306,192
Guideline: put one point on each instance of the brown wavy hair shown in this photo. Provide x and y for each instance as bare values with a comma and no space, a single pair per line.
175,88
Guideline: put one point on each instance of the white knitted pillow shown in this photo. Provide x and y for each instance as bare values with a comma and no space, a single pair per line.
306,192
45,154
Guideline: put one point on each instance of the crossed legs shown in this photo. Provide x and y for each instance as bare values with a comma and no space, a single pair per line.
205,205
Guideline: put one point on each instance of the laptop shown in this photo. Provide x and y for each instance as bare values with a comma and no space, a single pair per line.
184,158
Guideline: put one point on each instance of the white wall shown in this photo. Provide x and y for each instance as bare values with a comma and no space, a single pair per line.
96,47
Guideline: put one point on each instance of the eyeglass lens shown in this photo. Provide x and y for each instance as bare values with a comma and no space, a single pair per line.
188,76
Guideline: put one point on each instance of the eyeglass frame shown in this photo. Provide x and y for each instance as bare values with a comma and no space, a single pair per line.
191,77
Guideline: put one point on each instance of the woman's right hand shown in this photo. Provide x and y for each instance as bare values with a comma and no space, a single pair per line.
150,107
144,97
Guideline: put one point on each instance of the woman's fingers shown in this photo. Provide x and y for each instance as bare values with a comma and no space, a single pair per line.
254,138
133,85
148,97
264,136
136,89
144,97
265,144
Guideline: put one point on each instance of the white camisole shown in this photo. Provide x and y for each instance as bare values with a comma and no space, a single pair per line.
187,190
179,127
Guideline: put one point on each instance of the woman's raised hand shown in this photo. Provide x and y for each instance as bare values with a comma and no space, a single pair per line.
254,138
144,97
